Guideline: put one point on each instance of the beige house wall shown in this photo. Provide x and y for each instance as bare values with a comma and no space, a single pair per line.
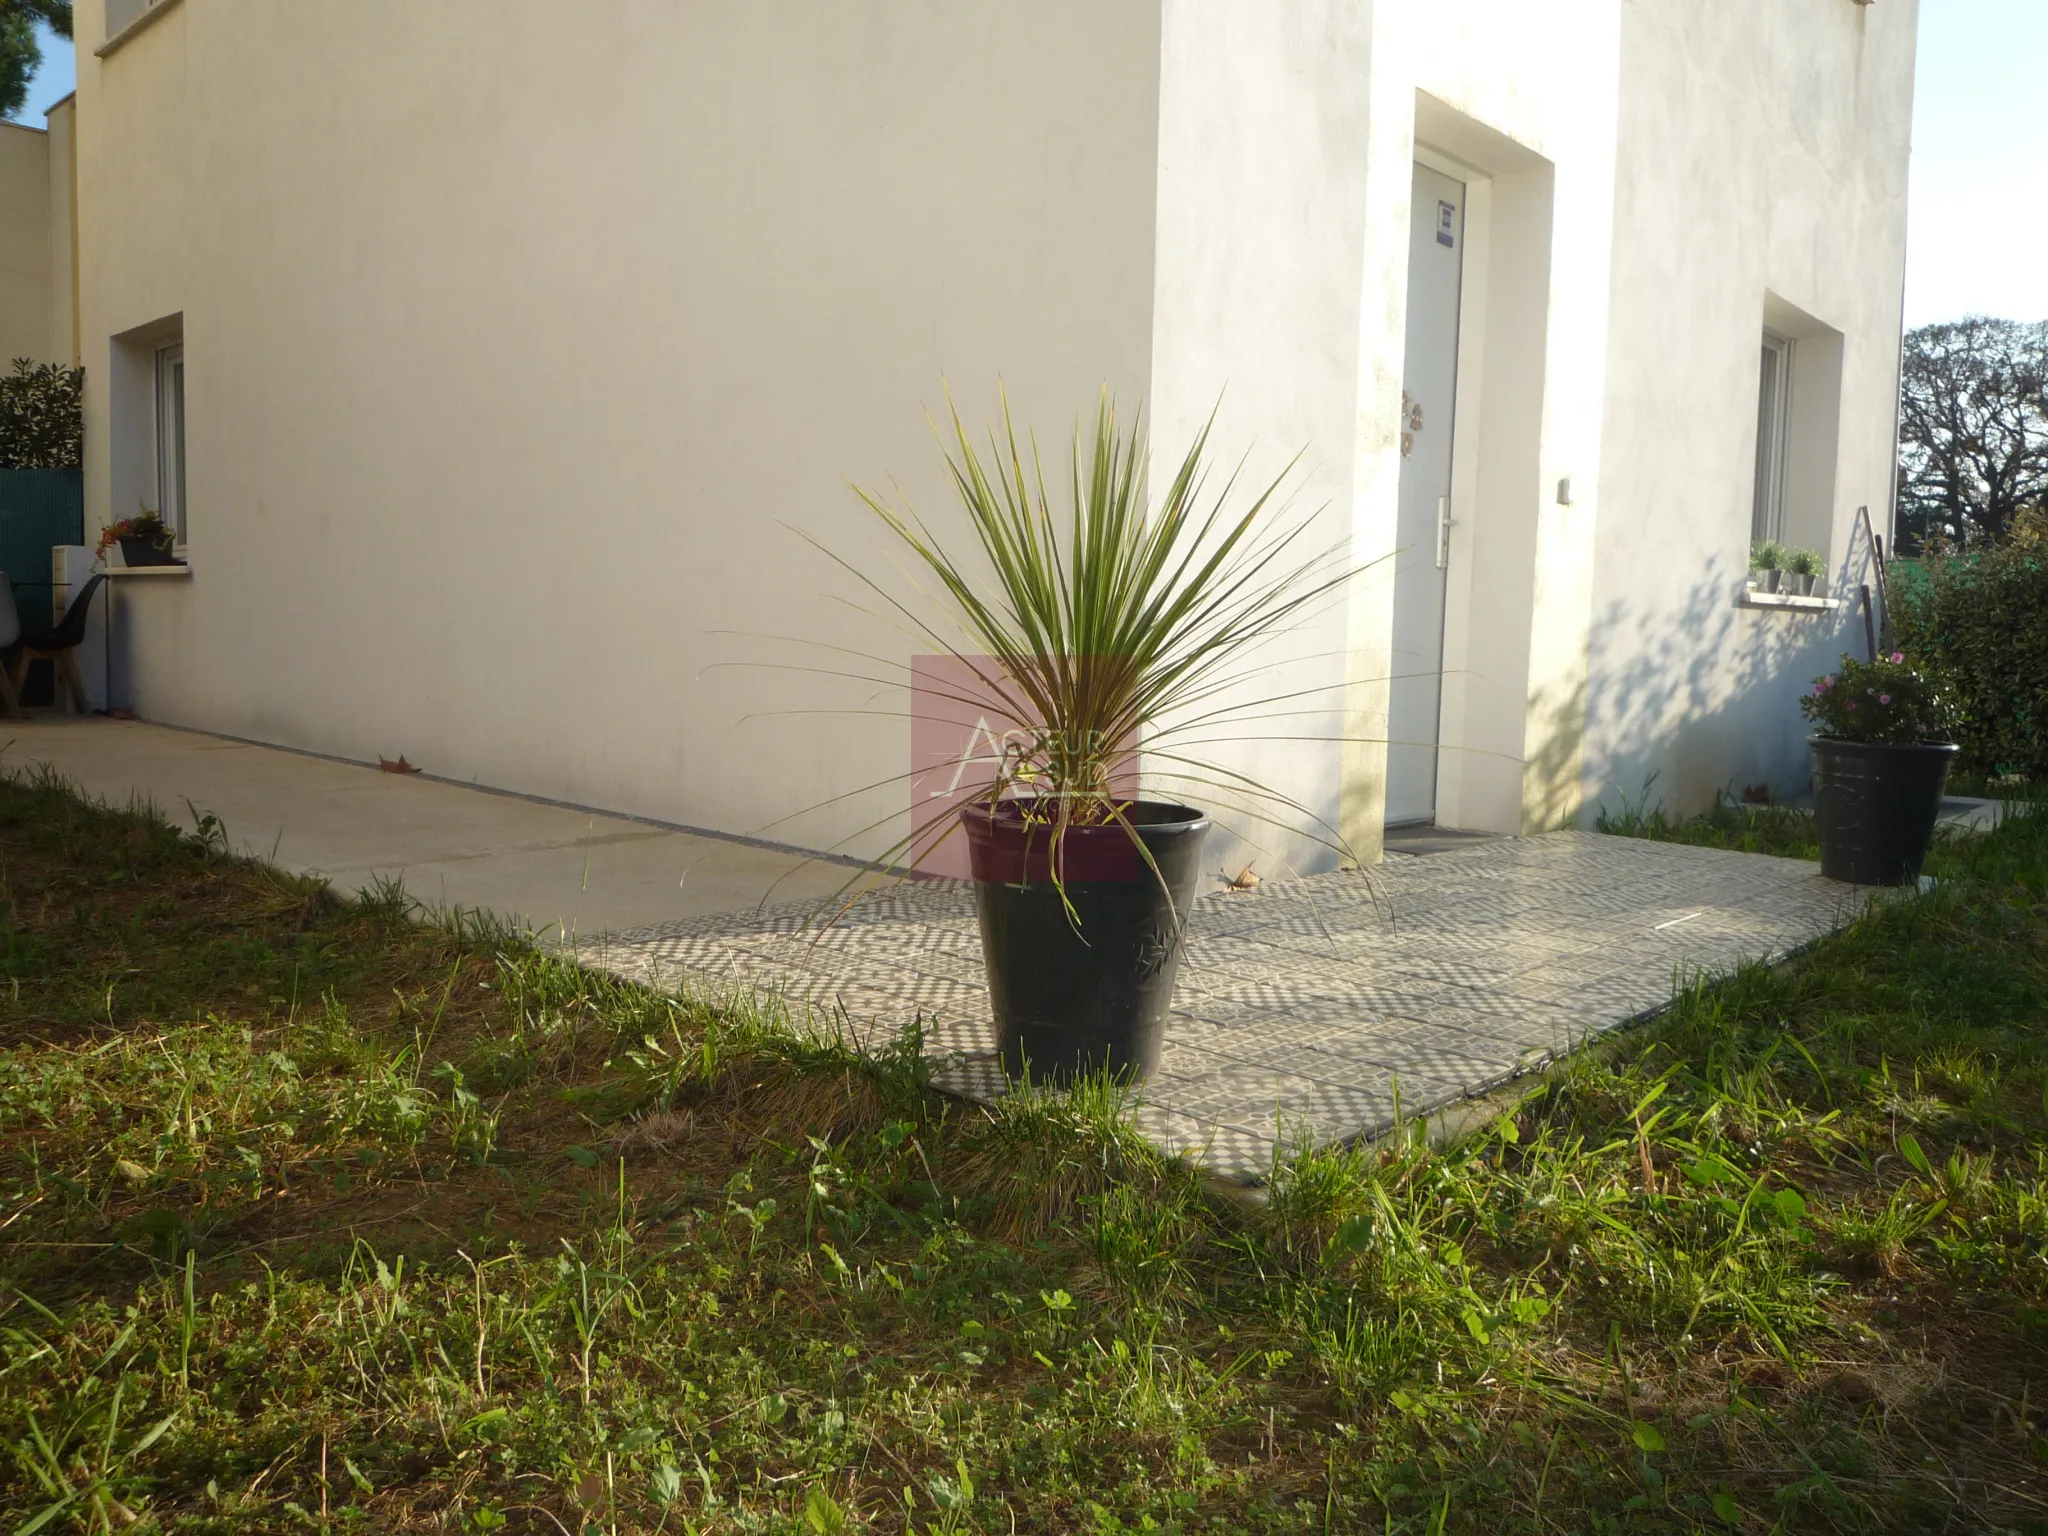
25,326
1287,141
1761,180
524,343
508,422
62,272
1520,102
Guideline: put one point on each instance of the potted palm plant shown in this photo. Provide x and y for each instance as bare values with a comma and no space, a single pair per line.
1802,568
1767,564
1881,756
1111,626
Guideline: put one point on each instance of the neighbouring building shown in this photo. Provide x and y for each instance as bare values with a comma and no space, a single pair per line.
38,240
493,356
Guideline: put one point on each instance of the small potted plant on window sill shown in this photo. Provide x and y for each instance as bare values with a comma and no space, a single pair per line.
1881,749
1802,570
145,539
1766,565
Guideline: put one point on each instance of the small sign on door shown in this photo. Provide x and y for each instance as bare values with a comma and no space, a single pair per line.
1446,221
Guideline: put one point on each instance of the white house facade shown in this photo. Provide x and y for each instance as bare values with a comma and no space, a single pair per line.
517,347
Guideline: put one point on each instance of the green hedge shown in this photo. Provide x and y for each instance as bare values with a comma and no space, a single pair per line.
1980,623
42,416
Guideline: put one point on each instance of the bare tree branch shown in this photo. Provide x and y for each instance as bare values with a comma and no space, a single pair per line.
1973,430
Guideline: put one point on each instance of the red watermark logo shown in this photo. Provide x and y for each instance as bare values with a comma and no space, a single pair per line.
969,734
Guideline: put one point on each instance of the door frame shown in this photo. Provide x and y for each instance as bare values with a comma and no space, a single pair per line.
1467,394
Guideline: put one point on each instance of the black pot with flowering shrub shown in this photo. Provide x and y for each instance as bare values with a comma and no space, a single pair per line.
1881,753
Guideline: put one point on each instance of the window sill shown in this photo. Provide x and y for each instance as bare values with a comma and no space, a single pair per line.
1751,598
140,24
124,572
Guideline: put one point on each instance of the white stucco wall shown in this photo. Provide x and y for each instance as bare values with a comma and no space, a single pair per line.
24,245
1264,132
1763,151
506,415
515,335
1524,98
1288,134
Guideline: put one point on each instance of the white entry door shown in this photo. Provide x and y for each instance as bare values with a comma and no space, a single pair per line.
1436,253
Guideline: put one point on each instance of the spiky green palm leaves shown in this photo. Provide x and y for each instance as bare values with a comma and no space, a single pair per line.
1110,626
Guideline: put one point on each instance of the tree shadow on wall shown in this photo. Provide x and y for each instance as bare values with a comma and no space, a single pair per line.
1705,696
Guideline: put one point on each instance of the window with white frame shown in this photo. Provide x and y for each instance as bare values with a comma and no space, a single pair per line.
170,437
123,14
1773,418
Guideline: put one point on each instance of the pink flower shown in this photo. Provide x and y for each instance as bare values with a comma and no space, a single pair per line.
1884,698
1852,703
1897,656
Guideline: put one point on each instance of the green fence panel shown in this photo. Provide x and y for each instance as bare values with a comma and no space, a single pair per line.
39,508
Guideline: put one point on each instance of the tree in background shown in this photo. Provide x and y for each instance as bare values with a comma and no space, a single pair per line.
20,52
1973,431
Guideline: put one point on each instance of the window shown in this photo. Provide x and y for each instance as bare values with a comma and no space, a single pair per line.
122,14
170,437
1773,414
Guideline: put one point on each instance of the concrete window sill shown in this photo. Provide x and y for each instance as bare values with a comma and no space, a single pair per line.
1788,600
139,25
125,572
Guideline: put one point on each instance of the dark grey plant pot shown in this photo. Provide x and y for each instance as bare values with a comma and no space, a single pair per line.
1877,803
1080,974
1767,581
145,552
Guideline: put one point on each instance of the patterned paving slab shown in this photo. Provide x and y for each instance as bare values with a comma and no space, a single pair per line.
1327,1006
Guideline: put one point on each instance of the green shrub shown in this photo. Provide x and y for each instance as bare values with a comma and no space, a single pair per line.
1980,624
42,416
1887,700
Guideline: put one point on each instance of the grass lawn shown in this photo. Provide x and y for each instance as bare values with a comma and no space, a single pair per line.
313,1217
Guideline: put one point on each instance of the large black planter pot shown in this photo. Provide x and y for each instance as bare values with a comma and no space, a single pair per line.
1877,804
1068,1001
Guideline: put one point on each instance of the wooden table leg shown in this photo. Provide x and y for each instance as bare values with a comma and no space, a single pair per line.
67,666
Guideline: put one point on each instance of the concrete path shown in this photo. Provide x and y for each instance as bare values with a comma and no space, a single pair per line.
1968,814
560,870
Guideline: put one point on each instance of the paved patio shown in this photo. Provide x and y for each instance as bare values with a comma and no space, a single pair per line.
1322,1006
1305,1006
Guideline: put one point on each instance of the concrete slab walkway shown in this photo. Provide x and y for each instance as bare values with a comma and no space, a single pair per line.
1320,1006
555,868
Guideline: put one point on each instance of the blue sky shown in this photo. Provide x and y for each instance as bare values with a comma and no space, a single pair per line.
1977,239
1978,234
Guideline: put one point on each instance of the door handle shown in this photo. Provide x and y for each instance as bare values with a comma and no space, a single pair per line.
1444,523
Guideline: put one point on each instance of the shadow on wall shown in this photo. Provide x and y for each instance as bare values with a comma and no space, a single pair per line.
1551,775
1683,703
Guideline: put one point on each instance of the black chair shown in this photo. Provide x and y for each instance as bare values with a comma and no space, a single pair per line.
58,645
10,631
